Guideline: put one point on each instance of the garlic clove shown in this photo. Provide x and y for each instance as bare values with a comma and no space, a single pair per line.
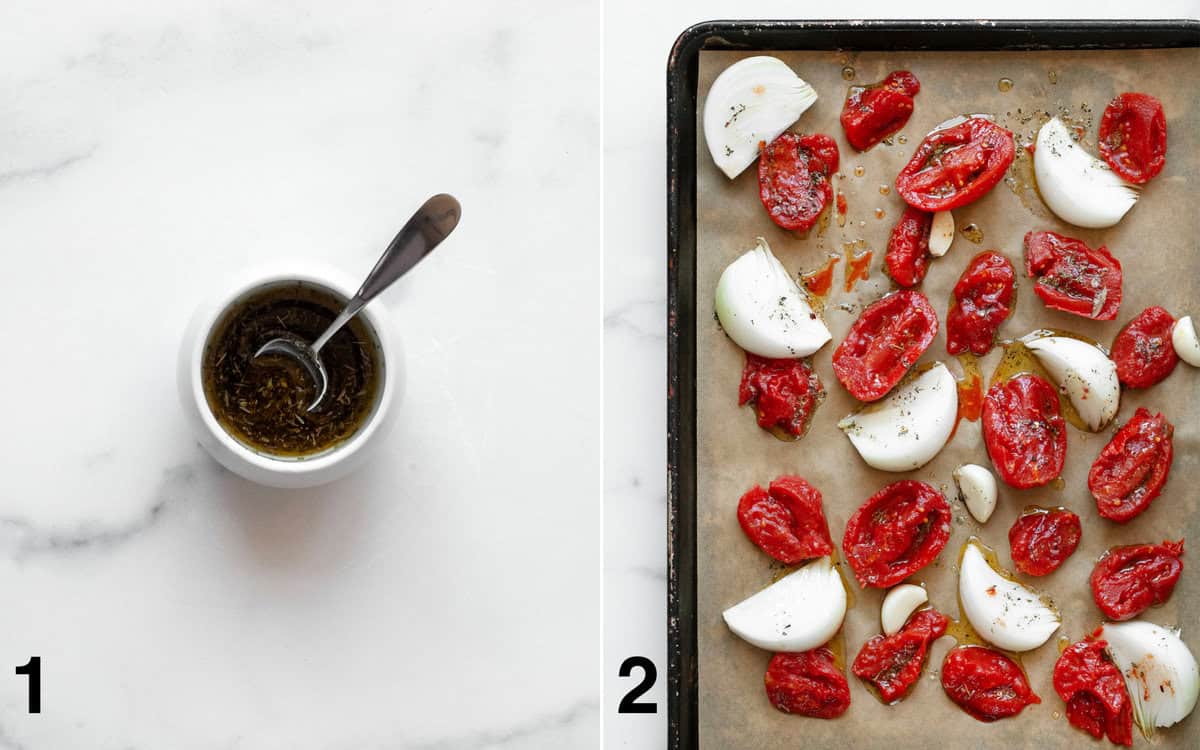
899,604
977,488
941,233
1185,341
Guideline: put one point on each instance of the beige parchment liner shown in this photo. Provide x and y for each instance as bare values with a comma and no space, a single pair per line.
1158,244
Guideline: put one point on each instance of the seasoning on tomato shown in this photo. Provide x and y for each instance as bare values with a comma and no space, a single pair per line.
1133,136
985,683
872,113
1024,431
785,393
793,178
1129,580
1143,350
908,248
1041,540
1094,691
957,165
1072,277
1131,470
786,520
892,663
983,299
896,532
887,339
807,683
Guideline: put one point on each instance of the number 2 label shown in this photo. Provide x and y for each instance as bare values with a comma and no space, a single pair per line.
629,704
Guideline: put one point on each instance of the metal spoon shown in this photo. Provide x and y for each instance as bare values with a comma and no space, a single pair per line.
432,223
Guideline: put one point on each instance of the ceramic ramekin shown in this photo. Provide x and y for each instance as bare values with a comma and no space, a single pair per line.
263,468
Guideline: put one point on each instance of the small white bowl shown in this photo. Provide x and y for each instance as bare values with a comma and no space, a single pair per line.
264,468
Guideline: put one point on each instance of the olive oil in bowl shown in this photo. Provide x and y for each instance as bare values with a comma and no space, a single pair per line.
262,403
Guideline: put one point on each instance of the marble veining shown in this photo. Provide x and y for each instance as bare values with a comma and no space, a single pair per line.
148,151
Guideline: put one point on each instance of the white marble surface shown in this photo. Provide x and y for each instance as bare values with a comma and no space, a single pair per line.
447,595
639,37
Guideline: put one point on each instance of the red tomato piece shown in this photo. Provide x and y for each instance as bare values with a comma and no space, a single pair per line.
892,663
785,393
872,113
887,339
908,248
786,521
1072,277
1133,136
985,683
983,299
1042,540
1024,430
896,532
793,178
1132,469
956,166
807,683
1094,691
1129,580
1143,350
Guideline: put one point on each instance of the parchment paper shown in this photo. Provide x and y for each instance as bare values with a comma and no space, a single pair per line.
1158,244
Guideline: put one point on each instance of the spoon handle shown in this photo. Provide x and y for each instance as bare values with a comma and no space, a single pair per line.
432,223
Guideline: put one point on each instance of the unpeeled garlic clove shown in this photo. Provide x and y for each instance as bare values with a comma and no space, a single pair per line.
941,233
1185,341
977,488
899,604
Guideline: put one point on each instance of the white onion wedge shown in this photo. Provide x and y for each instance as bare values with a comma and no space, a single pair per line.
798,612
1185,341
751,102
1159,669
1079,188
906,429
941,233
764,310
977,488
1084,373
899,604
1002,611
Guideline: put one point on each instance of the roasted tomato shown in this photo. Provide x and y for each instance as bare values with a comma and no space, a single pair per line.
785,393
887,339
1131,470
1041,540
1072,277
872,113
1129,580
1133,136
1143,350
892,663
1094,691
985,683
807,683
896,532
793,178
956,166
908,248
983,299
1024,430
786,520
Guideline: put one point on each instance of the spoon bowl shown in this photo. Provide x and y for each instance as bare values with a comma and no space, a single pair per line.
302,353
432,223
